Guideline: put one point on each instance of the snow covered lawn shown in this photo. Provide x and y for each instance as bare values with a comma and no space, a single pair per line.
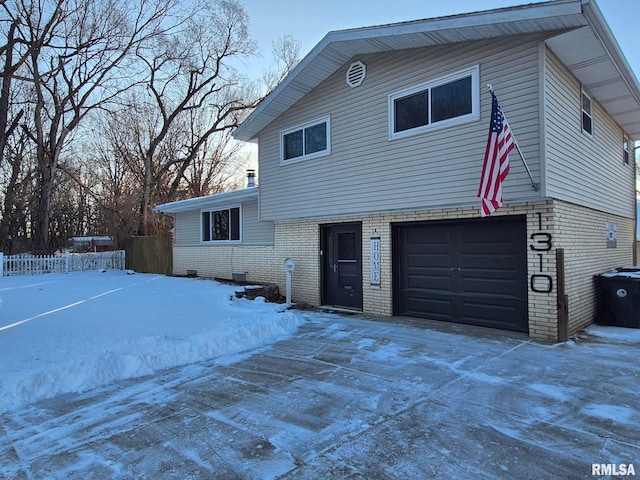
71,333
261,393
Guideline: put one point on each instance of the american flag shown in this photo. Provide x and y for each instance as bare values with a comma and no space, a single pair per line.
496,161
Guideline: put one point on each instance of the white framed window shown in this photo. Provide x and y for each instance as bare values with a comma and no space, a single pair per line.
223,225
442,102
309,140
587,115
626,148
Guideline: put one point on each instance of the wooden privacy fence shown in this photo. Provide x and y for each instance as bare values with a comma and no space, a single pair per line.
152,254
27,264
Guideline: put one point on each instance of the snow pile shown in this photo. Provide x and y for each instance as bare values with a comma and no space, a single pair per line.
75,332
615,334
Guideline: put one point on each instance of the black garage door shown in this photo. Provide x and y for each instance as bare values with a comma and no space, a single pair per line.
472,271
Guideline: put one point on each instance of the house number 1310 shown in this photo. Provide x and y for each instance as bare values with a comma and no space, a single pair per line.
541,242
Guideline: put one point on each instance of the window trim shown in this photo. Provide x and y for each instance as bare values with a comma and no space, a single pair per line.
626,149
311,123
589,113
474,72
220,209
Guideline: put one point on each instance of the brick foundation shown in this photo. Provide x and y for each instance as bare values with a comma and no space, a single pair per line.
580,231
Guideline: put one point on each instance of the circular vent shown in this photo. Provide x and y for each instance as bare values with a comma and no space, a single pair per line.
356,73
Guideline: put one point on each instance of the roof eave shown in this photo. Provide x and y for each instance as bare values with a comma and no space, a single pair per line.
210,201
608,40
337,47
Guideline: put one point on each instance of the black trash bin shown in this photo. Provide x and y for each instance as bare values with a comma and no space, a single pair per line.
620,299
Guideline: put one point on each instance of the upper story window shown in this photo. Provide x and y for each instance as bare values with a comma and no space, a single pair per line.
305,141
587,116
626,149
221,225
439,103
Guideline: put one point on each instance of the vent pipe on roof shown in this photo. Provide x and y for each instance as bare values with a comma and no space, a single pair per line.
251,178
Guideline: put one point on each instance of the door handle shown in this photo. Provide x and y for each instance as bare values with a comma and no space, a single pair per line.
334,267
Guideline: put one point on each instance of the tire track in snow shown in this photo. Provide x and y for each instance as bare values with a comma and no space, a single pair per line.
23,286
74,304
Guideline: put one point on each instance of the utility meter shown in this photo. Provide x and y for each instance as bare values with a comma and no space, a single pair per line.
289,265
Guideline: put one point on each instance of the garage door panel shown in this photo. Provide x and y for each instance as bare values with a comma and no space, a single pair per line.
415,237
498,288
477,276
439,308
428,282
468,311
487,231
428,260
490,315
488,261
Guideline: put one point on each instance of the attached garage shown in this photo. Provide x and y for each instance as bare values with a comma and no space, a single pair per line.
464,271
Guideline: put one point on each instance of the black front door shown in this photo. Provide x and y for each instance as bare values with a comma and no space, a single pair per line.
342,265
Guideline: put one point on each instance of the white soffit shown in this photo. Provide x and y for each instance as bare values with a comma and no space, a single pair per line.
594,57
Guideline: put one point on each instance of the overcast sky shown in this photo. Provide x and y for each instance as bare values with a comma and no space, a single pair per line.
308,21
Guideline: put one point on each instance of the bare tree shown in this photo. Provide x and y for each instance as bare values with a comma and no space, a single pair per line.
11,66
213,170
78,61
164,74
194,70
17,185
286,54
116,194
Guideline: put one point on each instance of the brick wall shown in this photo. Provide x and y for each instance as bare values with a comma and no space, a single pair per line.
580,231
221,261
541,306
300,241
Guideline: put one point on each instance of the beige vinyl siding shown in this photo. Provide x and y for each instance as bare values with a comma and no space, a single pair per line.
366,172
254,231
187,228
582,169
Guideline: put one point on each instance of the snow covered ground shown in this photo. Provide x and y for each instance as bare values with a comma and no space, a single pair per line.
71,333
262,393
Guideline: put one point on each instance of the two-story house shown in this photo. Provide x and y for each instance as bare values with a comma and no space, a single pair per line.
370,154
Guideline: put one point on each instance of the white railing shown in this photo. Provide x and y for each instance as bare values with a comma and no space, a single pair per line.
27,264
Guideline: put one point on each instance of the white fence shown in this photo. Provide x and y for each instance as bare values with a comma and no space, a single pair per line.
26,264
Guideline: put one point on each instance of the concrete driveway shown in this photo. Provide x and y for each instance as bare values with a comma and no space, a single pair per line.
350,398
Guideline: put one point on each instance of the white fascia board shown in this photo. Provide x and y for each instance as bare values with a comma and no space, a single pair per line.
218,200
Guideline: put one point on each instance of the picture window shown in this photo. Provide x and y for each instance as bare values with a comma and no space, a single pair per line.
306,141
221,225
443,102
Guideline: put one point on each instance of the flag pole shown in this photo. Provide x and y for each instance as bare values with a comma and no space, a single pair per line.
534,185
